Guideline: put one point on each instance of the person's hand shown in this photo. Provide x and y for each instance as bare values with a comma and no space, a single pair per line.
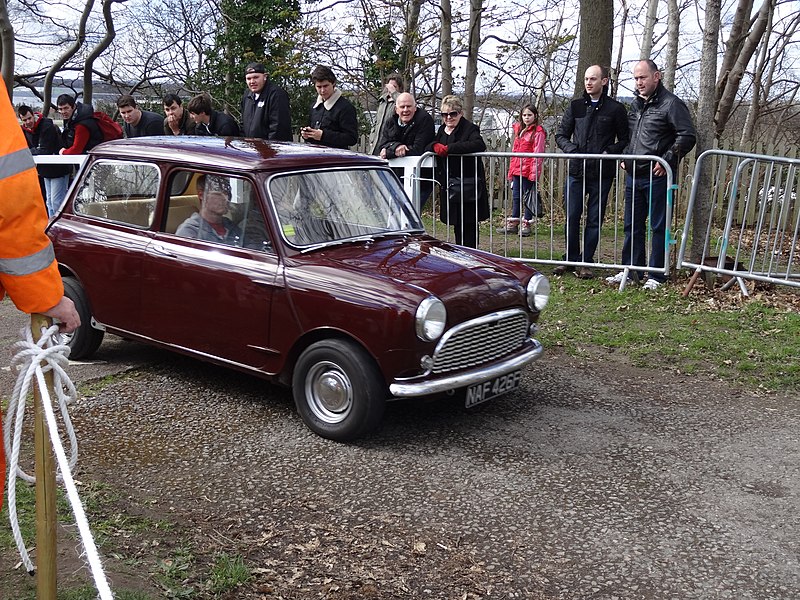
658,170
383,153
440,149
61,151
622,166
401,150
65,312
309,133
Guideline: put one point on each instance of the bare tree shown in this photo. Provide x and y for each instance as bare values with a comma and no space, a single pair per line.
596,37
673,31
446,47
473,46
648,37
705,126
7,48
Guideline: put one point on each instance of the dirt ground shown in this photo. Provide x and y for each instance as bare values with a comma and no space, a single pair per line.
596,479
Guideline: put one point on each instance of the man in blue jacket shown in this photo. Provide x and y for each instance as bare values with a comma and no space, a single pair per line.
265,107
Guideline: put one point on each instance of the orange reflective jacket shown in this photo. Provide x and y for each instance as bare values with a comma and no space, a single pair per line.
28,270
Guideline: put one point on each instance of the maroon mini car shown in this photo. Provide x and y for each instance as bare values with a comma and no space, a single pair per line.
301,264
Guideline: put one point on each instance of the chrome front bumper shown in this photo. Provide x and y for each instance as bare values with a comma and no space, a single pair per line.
405,389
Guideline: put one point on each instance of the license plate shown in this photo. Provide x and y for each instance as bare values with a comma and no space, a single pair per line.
481,392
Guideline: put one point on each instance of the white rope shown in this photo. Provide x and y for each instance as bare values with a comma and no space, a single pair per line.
34,360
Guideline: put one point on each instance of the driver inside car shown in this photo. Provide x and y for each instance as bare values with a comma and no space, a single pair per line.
212,224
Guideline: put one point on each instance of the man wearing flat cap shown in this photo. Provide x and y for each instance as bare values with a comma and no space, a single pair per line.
265,107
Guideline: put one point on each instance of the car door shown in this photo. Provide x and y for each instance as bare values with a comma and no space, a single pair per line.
212,296
103,235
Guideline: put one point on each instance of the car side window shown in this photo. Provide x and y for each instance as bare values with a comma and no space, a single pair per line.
215,208
123,192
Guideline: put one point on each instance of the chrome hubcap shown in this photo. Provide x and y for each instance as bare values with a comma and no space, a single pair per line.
329,392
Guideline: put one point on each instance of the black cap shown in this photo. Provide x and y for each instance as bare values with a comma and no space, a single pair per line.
255,67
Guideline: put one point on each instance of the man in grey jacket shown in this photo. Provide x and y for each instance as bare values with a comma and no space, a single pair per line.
660,125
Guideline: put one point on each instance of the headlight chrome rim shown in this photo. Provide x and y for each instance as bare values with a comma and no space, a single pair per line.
538,292
431,319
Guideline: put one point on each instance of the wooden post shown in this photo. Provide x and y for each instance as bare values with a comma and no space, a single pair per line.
46,518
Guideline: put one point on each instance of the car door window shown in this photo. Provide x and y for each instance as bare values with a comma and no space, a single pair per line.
119,191
215,208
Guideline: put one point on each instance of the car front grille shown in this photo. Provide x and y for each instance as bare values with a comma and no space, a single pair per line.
481,340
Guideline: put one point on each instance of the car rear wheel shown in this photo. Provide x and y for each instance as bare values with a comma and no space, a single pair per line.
338,390
85,340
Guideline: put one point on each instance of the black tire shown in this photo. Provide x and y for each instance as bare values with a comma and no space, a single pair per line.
338,390
85,340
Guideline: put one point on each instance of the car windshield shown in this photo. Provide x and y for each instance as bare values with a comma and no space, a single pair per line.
338,205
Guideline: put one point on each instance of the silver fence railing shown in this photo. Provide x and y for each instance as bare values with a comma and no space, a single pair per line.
759,238
549,235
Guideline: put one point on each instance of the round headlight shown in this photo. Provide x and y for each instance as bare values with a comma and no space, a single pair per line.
430,319
538,292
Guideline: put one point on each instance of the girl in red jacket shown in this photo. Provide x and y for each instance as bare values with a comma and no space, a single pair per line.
524,172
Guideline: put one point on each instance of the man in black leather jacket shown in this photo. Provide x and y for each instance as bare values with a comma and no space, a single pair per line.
592,124
660,125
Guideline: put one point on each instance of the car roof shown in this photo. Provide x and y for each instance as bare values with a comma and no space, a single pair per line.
249,154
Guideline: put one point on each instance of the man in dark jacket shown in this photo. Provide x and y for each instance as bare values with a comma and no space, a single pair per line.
138,122
81,132
265,107
177,121
209,121
44,138
592,124
332,120
660,125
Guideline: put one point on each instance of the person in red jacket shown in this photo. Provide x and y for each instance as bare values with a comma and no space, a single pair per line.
28,269
524,172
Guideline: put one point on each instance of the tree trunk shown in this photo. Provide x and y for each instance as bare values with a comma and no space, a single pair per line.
7,49
540,99
673,31
618,68
475,10
596,37
47,92
446,48
409,43
741,21
88,65
705,129
649,30
734,77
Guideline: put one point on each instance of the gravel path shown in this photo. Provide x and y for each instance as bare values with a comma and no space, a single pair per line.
594,480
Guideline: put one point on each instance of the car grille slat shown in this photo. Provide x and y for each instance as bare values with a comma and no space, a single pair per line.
480,341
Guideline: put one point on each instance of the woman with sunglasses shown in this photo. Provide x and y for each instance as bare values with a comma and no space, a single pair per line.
464,200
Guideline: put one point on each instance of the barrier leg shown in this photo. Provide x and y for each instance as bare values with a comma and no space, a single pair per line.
46,518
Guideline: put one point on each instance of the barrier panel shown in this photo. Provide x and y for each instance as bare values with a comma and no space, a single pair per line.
549,235
752,226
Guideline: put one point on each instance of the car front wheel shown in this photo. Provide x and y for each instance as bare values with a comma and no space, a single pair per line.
85,340
338,390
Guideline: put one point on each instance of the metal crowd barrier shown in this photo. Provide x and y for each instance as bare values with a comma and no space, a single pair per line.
547,242
752,228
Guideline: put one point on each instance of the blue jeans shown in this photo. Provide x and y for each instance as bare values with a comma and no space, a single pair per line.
55,191
645,197
596,191
519,187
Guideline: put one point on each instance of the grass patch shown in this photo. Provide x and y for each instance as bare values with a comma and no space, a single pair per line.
227,573
754,343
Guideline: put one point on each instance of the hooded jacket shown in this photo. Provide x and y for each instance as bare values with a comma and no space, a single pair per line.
81,132
45,139
531,139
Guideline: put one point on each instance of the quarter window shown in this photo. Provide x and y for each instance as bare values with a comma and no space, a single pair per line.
120,191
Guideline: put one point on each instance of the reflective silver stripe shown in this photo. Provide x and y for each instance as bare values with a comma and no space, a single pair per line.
16,162
28,264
